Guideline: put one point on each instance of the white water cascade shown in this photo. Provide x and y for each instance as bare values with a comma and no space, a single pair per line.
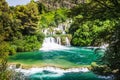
51,44
67,41
56,43
59,40
51,69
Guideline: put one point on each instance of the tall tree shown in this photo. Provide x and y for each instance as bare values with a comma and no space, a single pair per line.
104,10
28,14
4,24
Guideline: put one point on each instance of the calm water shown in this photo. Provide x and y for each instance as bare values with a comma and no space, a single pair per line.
66,58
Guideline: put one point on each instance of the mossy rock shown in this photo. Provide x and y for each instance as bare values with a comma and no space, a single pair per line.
18,65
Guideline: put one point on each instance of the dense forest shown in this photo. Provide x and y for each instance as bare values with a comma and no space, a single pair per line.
94,23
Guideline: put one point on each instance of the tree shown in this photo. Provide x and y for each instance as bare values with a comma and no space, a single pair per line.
112,56
58,18
25,27
4,51
107,12
28,14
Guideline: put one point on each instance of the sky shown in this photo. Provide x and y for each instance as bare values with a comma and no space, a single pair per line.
17,2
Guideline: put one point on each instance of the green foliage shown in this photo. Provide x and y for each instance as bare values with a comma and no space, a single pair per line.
18,24
59,32
53,18
3,60
18,65
101,69
4,49
91,21
28,15
112,55
12,75
41,8
18,32
24,28
59,18
104,23
94,23
91,32
28,43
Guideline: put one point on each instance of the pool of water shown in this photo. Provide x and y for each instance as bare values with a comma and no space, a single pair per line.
66,58
69,57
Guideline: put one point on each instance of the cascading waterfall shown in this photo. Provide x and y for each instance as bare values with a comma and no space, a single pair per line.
59,40
67,41
51,43
52,40
62,28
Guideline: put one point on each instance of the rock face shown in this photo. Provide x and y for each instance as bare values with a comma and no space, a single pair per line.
55,4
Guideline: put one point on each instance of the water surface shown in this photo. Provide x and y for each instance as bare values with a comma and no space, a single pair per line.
66,58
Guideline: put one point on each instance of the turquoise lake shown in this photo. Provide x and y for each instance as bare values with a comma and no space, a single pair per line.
66,58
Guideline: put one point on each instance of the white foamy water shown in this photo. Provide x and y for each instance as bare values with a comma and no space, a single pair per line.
56,70
51,44
111,77
104,46
67,41
49,75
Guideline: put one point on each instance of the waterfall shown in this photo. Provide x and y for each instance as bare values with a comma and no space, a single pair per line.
60,26
63,32
59,40
50,43
67,41
50,40
53,43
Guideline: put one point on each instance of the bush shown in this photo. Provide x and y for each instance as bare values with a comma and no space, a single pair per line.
101,69
28,43
18,65
90,33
